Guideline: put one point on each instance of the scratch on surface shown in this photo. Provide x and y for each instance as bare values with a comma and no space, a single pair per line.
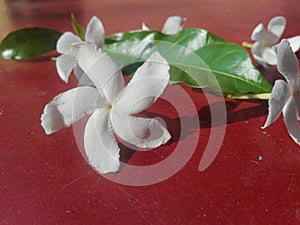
129,198
214,204
71,182
178,197
254,162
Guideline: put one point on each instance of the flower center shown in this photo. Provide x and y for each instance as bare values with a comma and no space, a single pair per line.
108,106
294,93
266,45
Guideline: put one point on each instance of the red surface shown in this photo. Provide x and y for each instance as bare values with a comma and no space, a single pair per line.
45,180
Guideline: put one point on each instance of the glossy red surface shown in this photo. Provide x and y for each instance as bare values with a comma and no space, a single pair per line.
45,180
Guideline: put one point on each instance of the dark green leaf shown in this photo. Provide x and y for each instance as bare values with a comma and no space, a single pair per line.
28,42
197,58
78,29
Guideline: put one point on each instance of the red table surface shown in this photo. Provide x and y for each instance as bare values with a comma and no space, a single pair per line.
254,179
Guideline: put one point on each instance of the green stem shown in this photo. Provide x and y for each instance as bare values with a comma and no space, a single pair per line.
262,96
247,45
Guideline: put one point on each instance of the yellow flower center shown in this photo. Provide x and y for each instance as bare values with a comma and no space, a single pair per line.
265,45
294,93
108,106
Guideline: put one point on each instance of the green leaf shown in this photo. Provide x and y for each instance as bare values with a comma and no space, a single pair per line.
233,69
28,42
197,58
78,29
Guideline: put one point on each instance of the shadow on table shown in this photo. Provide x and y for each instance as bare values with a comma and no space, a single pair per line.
233,115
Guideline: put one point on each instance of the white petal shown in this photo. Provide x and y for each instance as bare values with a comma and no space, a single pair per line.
141,132
95,32
100,144
100,68
64,42
278,99
145,27
68,107
296,95
145,87
287,62
259,33
295,43
64,66
269,56
173,25
82,78
276,27
291,122
257,50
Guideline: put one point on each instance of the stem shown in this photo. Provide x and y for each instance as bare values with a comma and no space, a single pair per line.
262,96
247,45
53,58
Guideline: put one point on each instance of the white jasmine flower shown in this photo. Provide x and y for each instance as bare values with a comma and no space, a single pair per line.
111,106
173,25
285,96
262,49
66,62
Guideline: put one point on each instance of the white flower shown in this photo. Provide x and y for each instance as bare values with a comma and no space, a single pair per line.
66,62
262,49
285,96
173,25
111,106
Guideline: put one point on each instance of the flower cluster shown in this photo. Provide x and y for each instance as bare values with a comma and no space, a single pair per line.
285,95
111,105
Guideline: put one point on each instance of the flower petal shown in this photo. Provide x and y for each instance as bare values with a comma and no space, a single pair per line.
64,42
173,25
68,107
276,27
279,97
100,144
291,122
296,95
95,32
64,66
100,68
259,33
145,27
295,43
257,50
269,56
82,78
145,87
141,132
287,63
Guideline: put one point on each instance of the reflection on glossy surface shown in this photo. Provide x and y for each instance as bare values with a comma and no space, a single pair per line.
45,180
